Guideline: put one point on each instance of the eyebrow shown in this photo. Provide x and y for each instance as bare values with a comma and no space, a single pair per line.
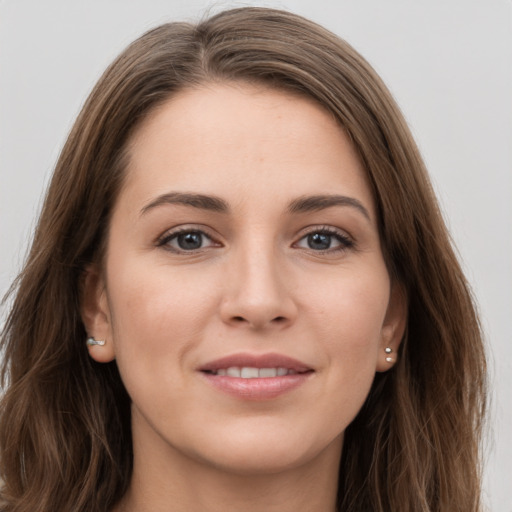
320,202
204,202
302,204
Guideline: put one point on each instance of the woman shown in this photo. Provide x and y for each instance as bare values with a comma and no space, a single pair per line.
241,294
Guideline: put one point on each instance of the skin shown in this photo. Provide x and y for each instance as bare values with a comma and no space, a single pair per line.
257,284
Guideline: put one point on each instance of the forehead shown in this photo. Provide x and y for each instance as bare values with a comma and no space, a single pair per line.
240,141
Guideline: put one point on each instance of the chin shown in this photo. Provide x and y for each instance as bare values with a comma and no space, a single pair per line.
259,463
263,454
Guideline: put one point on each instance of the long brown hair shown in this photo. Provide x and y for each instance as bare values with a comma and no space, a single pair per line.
65,435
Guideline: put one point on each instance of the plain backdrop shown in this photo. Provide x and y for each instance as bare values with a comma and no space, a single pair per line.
448,63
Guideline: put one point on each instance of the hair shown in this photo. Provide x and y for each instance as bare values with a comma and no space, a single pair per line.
65,433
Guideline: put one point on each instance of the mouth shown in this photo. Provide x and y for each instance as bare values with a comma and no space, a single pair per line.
256,377
251,372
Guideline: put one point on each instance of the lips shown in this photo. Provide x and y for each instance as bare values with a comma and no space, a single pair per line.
250,372
256,377
256,361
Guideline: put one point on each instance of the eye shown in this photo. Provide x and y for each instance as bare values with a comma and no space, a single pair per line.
186,240
325,239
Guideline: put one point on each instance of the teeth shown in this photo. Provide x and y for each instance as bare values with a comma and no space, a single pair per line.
249,373
254,373
268,372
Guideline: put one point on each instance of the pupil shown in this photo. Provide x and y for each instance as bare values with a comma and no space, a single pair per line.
189,241
319,241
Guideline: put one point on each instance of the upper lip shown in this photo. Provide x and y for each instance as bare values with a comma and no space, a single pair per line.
256,361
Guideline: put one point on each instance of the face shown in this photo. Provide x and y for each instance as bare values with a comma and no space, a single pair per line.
244,294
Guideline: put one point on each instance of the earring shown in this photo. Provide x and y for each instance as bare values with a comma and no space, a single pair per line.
388,351
91,342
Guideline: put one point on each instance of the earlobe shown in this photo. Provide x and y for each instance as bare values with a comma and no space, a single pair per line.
393,328
96,316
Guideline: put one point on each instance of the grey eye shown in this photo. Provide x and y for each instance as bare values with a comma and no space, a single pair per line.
188,241
319,241
324,241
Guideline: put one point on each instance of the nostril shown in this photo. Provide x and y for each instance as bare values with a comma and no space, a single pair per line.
277,320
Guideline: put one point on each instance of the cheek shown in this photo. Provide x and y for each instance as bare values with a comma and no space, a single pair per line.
156,312
350,310
351,330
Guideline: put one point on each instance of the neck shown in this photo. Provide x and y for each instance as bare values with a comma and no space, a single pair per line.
170,481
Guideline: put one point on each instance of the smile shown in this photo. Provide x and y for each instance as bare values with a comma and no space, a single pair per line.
256,377
248,372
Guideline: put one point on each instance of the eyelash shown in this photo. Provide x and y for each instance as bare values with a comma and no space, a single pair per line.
169,236
346,243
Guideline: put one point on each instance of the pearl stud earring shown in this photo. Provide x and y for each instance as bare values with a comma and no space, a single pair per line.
91,342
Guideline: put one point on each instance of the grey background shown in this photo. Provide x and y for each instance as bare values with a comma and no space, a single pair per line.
448,63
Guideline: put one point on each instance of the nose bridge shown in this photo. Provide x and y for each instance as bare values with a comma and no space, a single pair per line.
257,294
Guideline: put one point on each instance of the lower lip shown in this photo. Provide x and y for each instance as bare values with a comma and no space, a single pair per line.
258,388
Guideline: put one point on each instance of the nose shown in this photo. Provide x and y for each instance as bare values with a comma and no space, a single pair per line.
257,292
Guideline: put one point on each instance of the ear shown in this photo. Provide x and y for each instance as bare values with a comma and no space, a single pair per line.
96,315
393,328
